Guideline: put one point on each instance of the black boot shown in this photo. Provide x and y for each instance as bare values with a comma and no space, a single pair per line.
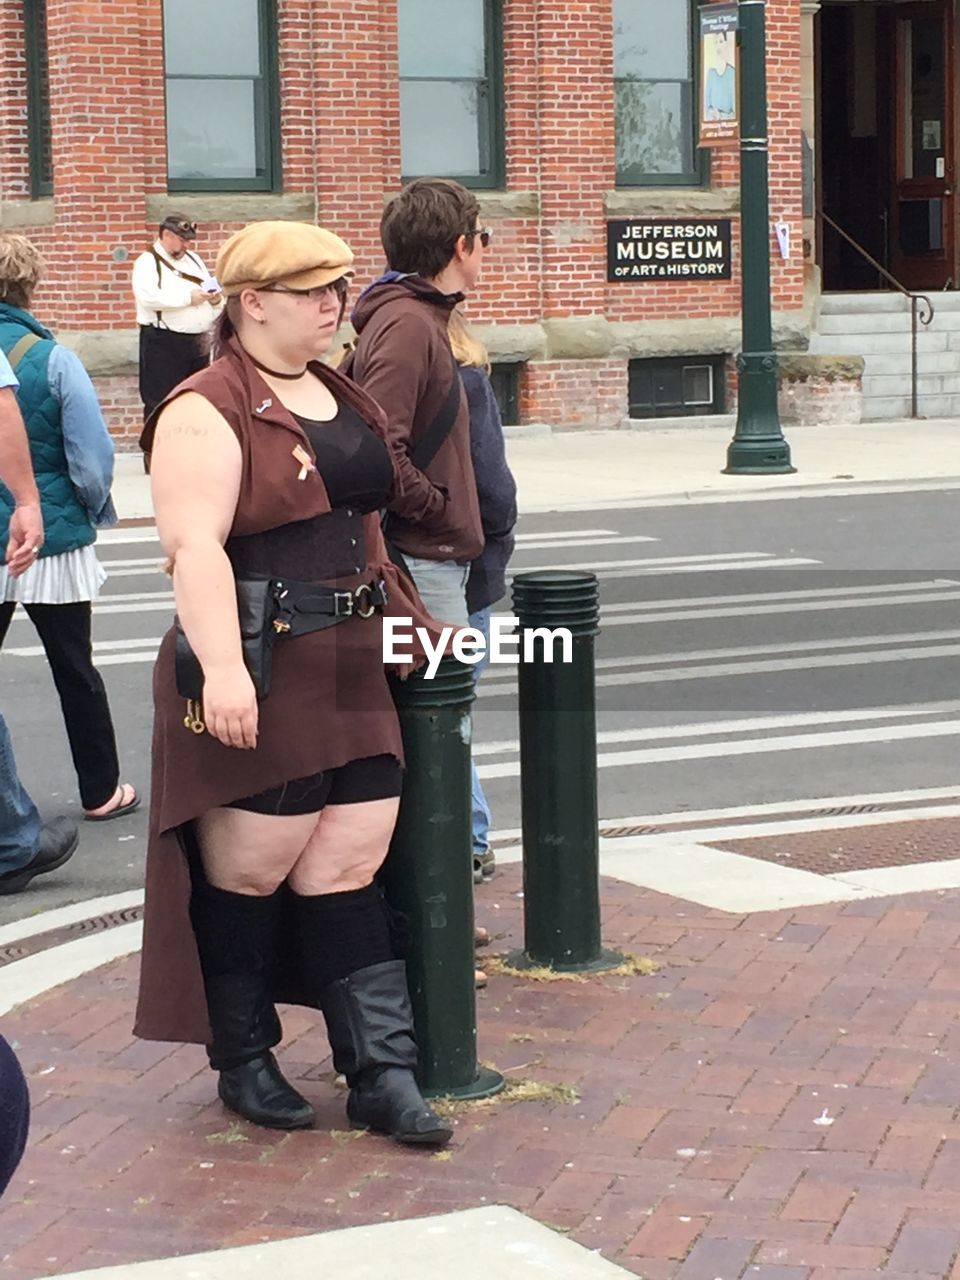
370,1025
345,942
236,939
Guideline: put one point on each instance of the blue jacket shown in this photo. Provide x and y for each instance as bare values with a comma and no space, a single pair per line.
70,446
496,492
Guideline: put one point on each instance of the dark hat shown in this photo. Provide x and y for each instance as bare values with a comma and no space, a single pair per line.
180,225
300,254
14,1113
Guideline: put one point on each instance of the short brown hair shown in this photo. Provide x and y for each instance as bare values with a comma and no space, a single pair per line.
420,226
20,269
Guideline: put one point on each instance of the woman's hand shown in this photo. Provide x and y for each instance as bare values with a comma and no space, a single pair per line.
26,538
230,709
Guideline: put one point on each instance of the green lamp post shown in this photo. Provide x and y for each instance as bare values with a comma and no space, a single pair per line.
758,446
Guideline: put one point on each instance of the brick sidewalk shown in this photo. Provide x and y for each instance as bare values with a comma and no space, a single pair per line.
780,1102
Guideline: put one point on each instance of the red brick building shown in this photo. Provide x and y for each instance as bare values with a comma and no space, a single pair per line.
564,115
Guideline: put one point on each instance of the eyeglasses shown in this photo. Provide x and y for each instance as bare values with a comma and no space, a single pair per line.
485,234
319,293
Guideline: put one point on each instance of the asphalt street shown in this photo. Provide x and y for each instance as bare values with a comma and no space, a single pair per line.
750,653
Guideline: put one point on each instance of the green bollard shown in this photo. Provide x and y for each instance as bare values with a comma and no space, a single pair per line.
558,776
429,877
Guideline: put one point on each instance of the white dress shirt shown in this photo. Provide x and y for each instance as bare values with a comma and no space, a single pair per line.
170,295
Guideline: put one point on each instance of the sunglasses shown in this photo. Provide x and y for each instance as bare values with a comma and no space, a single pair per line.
336,288
485,234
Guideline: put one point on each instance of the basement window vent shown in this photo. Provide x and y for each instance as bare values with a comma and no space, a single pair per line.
506,387
676,387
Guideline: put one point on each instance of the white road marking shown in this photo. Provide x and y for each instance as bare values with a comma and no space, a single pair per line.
749,724
653,616
670,564
752,746
564,533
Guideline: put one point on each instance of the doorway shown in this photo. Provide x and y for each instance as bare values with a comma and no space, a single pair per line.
887,142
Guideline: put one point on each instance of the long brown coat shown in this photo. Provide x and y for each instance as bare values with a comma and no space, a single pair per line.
329,701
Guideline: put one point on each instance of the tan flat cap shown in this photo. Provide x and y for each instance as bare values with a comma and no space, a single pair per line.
297,254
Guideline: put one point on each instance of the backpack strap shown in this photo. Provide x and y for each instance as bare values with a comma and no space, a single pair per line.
184,275
430,443
20,349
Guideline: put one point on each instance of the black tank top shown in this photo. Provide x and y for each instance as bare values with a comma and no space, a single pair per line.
356,470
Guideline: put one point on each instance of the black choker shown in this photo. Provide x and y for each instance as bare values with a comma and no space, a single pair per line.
275,373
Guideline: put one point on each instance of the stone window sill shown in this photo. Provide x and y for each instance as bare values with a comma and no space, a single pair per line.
27,213
500,204
234,206
671,202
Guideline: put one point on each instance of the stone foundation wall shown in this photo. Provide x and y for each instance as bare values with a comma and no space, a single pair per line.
819,390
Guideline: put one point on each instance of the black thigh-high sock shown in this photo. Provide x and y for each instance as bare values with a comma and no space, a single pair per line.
236,937
340,933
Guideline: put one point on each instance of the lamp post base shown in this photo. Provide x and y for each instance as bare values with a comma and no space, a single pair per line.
759,456
758,447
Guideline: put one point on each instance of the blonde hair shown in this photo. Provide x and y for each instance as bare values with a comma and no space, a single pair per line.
20,269
466,347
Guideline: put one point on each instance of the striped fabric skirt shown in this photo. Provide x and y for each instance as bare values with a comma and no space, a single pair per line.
68,578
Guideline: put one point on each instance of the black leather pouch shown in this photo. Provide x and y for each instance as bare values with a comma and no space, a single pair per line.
257,607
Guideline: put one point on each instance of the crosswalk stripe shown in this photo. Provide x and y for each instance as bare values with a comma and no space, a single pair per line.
621,568
750,651
747,724
676,675
751,746
760,597
546,536
799,606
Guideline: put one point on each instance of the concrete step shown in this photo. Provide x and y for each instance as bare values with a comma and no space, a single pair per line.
882,384
888,322
928,362
837,304
867,322
877,408
864,344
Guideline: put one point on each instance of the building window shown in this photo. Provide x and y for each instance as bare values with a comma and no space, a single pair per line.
451,96
38,98
223,105
654,58
678,386
505,379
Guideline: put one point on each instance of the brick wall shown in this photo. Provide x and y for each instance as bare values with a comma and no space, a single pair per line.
575,393
341,146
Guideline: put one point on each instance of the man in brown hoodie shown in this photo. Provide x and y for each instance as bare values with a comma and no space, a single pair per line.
434,247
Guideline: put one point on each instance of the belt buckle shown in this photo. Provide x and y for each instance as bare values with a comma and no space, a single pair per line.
369,608
344,598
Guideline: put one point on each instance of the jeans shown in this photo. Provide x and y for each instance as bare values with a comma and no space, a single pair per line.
19,820
442,585
64,631
481,810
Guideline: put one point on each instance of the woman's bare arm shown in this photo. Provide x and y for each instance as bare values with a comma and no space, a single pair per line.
195,472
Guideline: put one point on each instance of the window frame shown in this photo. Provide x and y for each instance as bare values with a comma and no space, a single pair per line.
269,93
699,175
38,101
685,409
495,179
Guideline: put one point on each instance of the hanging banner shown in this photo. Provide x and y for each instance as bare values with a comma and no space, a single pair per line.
719,75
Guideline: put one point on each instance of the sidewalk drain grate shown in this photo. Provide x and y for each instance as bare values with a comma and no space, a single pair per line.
67,933
843,810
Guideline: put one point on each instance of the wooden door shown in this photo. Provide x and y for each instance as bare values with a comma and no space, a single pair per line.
922,233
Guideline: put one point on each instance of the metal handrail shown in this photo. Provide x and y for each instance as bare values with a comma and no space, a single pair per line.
921,308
